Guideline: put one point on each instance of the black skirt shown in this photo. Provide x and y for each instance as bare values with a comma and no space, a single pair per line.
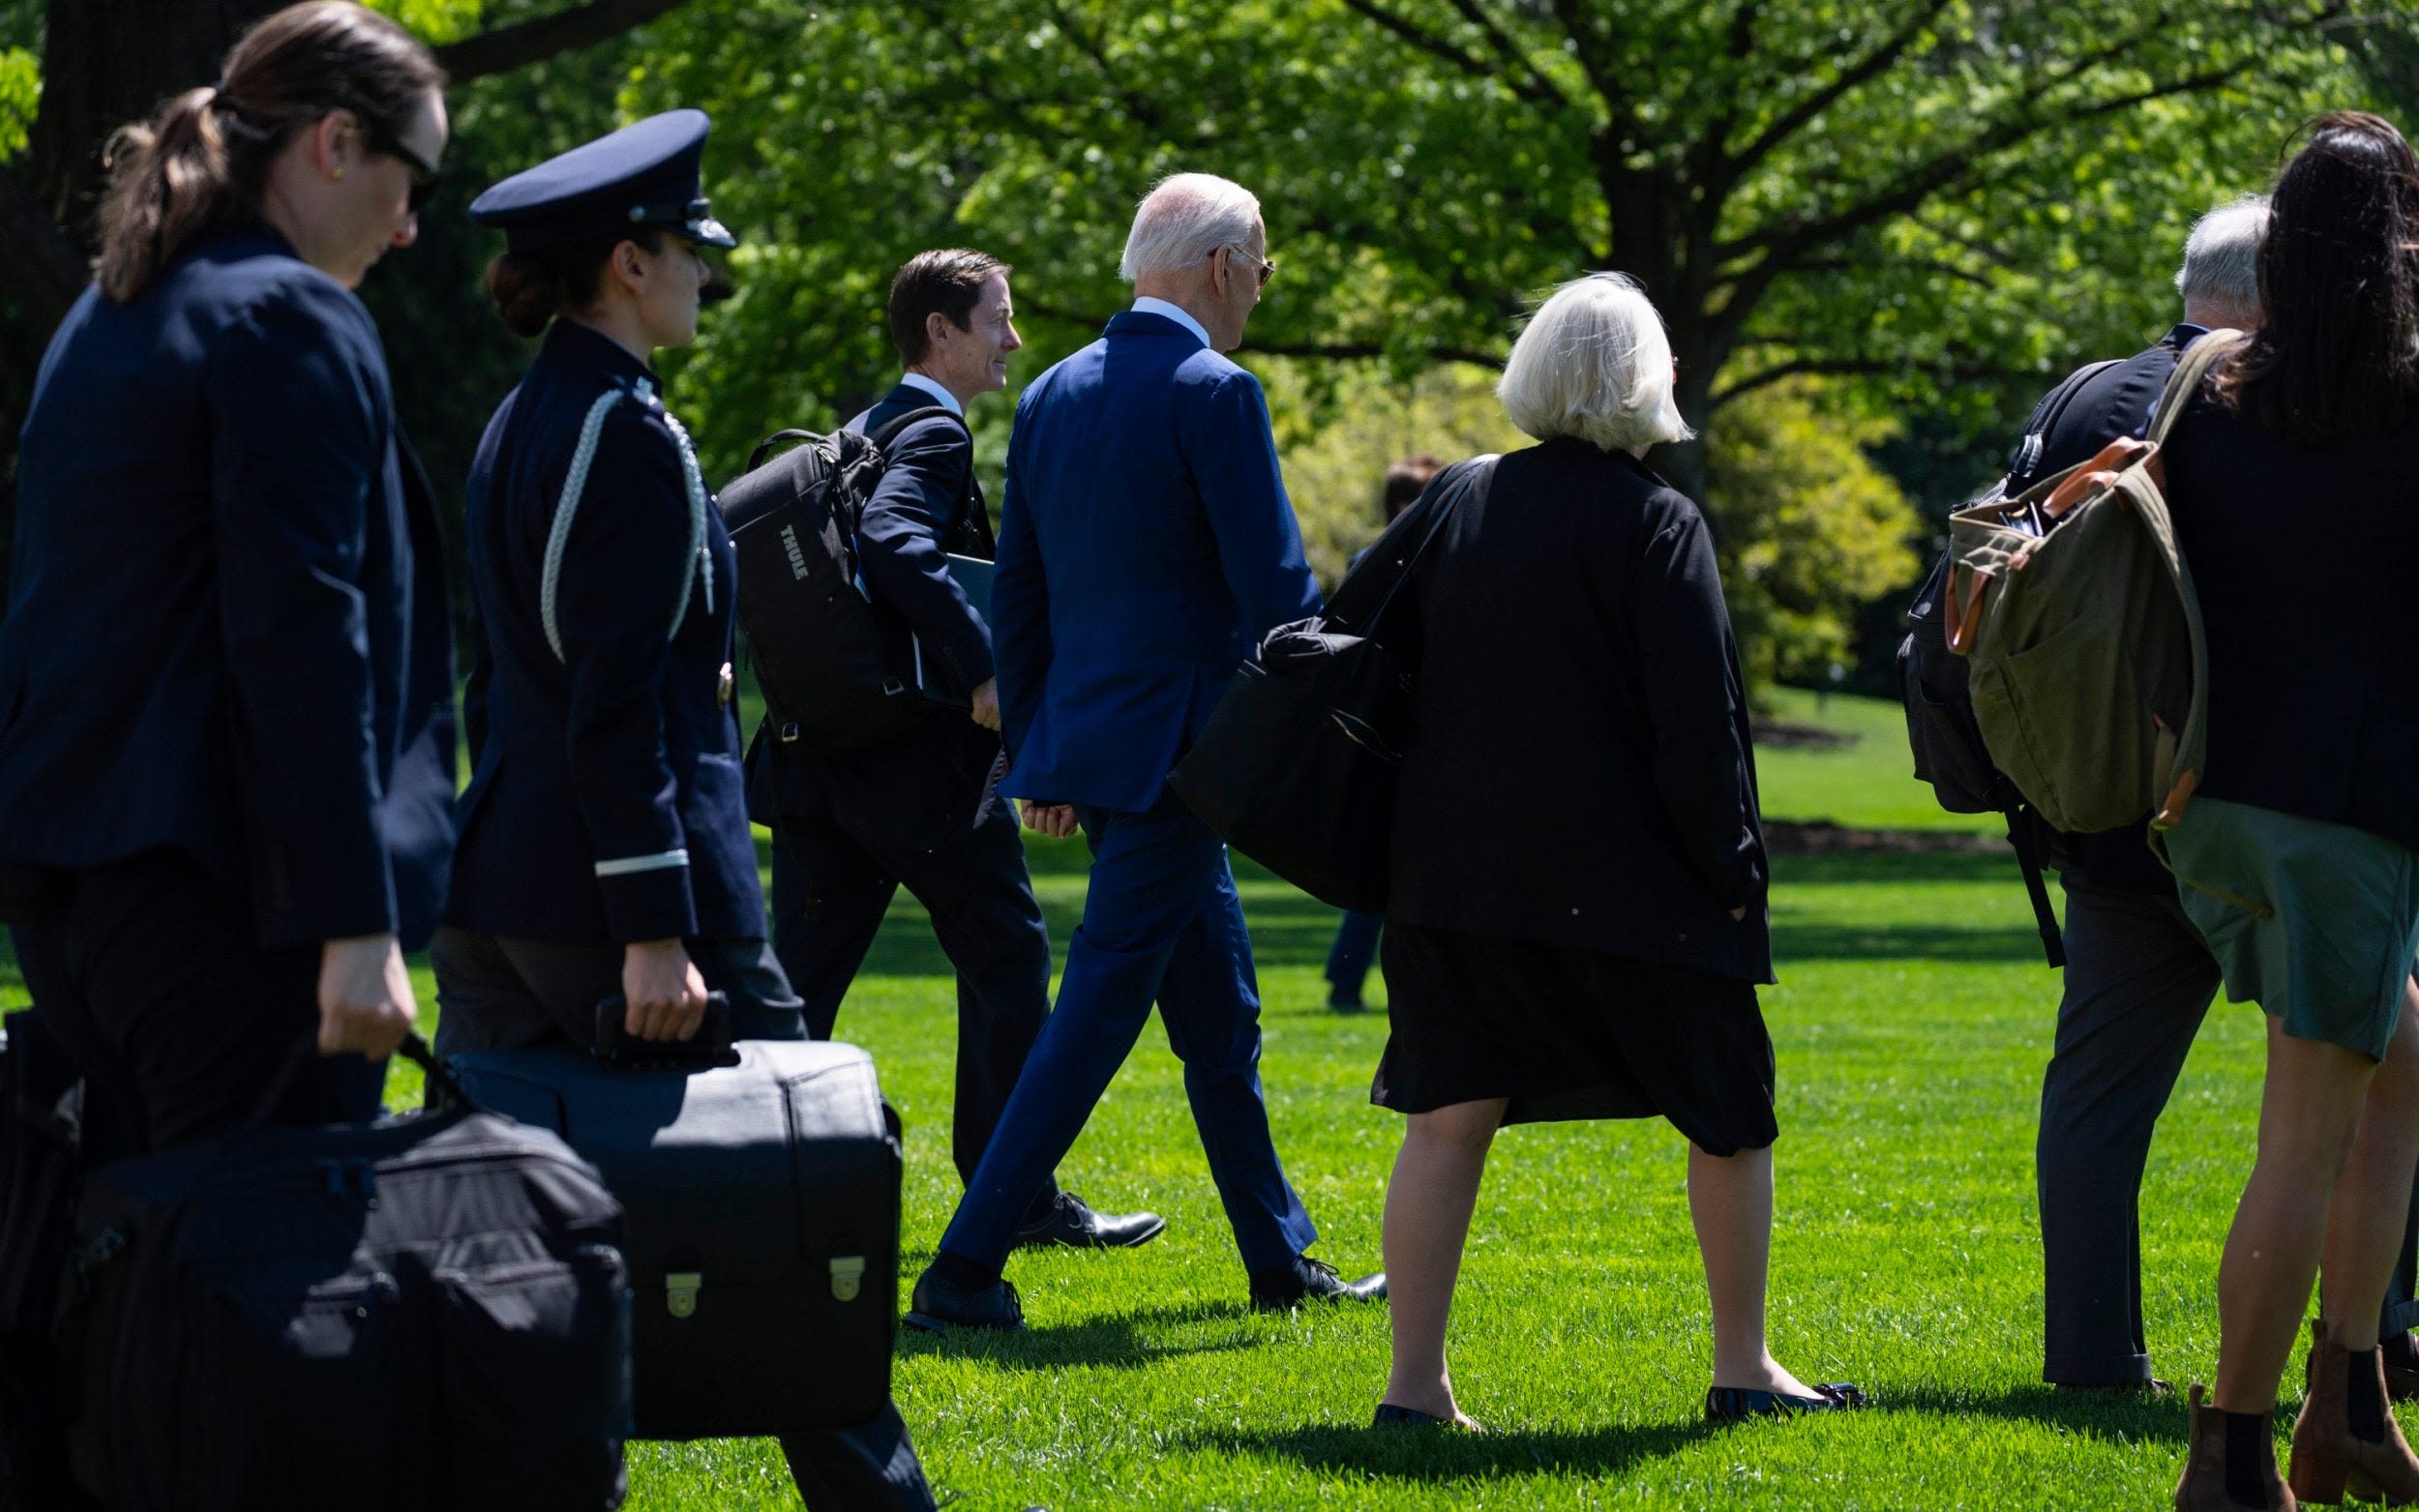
1570,1033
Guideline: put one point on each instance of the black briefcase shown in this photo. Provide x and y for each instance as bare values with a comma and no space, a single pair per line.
763,1231
426,1311
1295,766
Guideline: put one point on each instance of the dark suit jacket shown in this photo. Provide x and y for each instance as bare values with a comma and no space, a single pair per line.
1146,544
228,630
1580,772
607,803
925,786
2305,561
2114,401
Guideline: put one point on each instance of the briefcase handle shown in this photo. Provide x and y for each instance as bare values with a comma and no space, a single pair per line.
444,1088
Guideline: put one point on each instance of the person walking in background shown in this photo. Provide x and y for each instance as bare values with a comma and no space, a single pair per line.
1568,610
2297,512
1356,934
605,845
1146,544
850,829
227,766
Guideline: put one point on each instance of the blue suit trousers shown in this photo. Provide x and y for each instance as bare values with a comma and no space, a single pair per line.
1161,921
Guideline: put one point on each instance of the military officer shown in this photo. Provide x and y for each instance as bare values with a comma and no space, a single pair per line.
605,834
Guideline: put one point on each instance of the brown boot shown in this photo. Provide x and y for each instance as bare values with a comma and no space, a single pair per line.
2203,1486
2327,1459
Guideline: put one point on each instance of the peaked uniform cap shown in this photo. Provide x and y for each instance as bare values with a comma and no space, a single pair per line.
646,174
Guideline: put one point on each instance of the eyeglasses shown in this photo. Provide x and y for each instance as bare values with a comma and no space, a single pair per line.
1267,269
425,180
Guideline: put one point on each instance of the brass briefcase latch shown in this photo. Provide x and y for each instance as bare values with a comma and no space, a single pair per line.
680,1290
847,1276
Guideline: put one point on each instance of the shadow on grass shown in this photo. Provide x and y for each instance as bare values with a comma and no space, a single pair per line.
1129,1341
1426,1455
2106,1414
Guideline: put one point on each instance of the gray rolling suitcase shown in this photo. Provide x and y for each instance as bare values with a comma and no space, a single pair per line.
762,1229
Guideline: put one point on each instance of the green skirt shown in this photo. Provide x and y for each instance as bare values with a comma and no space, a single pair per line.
2315,921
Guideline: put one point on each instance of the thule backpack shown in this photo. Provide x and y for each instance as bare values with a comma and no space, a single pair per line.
838,669
2075,609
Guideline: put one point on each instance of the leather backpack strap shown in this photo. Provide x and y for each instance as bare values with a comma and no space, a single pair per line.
2185,382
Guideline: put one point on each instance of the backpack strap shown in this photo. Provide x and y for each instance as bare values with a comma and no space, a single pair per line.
2024,839
974,528
575,482
2029,452
2191,371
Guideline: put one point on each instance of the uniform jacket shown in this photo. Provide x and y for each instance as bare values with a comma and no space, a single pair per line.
1146,544
1578,772
918,789
228,630
607,801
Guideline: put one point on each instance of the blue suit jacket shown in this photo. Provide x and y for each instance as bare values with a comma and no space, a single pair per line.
606,802
923,787
228,630
1146,544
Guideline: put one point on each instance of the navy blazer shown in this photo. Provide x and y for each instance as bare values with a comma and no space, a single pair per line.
1580,772
918,789
606,802
228,630
1146,544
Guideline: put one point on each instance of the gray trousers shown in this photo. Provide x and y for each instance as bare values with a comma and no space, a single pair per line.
2138,982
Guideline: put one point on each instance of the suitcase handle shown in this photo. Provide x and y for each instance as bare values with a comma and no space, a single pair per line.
440,1078
710,1045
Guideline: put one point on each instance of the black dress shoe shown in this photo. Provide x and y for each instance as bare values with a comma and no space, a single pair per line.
1345,1001
938,1306
1070,1222
1731,1404
1310,1279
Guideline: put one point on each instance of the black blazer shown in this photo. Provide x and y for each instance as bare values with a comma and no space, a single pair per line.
919,789
2306,562
1580,772
228,630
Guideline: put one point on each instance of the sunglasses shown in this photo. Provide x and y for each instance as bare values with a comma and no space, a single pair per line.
1266,268
425,180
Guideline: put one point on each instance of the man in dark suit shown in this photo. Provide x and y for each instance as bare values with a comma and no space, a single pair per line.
850,829
1146,544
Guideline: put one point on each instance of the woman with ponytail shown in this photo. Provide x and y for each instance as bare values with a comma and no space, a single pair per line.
226,712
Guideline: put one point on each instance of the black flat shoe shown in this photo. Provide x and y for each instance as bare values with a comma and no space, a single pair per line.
1342,1002
1388,1415
1733,1404
1075,1226
1310,1279
939,1307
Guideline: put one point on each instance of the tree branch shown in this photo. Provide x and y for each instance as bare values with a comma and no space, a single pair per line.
1967,372
1545,91
1536,89
1875,63
508,48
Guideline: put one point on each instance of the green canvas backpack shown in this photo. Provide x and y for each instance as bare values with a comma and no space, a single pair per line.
2077,612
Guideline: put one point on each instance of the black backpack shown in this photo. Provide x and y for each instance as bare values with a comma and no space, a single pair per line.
839,671
1932,684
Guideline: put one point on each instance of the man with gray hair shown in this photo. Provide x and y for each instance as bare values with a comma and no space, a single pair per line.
1146,544
2139,977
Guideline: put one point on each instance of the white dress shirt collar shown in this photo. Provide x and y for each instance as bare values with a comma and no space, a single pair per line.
1145,305
932,386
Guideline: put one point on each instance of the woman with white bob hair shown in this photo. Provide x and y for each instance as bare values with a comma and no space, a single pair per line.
1576,925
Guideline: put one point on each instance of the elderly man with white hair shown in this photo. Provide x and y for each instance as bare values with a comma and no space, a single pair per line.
1146,544
1575,925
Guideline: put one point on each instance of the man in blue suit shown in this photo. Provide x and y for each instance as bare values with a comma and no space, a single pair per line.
851,828
1146,544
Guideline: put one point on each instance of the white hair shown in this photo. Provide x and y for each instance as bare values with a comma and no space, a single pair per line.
2221,258
1594,363
1184,219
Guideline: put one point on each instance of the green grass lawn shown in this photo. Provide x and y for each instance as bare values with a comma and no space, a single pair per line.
1911,1021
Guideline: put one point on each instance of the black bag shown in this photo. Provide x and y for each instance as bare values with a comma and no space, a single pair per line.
838,669
1942,733
1296,765
426,1311
763,1223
